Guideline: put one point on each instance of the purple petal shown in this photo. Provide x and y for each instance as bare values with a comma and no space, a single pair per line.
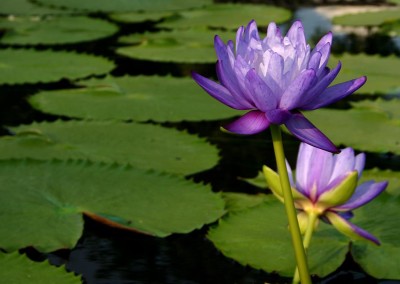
304,158
274,73
364,193
217,91
296,34
230,82
263,97
312,95
251,31
359,163
239,37
290,174
349,229
325,52
295,91
337,92
274,36
221,49
343,164
304,130
278,116
314,61
251,123
323,41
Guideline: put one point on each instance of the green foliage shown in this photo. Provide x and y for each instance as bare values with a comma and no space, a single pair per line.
19,66
26,7
388,107
137,17
125,6
17,269
220,16
42,202
181,46
54,30
382,72
368,18
144,146
139,98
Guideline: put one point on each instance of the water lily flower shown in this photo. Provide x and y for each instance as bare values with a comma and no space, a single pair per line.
326,185
275,78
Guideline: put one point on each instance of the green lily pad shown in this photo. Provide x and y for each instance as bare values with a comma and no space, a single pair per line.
389,107
259,237
26,7
241,201
17,269
391,28
360,129
125,6
182,46
144,146
382,261
54,30
43,201
382,72
140,98
137,17
221,16
368,18
30,66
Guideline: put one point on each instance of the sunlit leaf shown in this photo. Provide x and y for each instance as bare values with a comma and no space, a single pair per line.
259,237
241,201
29,66
125,6
144,146
137,17
382,72
26,7
380,218
221,15
190,46
389,107
42,202
54,30
17,269
139,98
374,18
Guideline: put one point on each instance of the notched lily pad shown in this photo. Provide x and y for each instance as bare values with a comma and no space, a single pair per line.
29,66
54,30
259,237
17,269
139,98
221,16
182,46
43,201
144,146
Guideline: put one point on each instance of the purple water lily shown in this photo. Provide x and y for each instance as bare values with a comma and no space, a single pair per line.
326,185
275,78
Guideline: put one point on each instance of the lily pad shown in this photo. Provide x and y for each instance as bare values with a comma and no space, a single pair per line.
182,46
382,262
139,98
259,237
29,66
54,30
17,269
391,28
26,7
382,72
360,129
43,201
389,107
368,18
125,6
144,146
137,17
227,16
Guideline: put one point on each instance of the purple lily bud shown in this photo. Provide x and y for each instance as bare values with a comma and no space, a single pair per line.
275,78
326,185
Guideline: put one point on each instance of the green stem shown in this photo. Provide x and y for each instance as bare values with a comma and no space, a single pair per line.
291,213
312,218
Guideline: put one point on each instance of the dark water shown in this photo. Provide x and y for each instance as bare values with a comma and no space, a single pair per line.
105,255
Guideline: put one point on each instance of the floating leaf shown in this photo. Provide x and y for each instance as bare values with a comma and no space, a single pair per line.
183,46
380,218
140,98
144,146
241,201
259,237
389,107
26,7
220,15
30,66
382,72
361,129
375,18
42,202
54,30
126,6
17,269
137,17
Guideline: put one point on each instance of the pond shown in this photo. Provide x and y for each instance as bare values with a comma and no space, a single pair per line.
98,111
